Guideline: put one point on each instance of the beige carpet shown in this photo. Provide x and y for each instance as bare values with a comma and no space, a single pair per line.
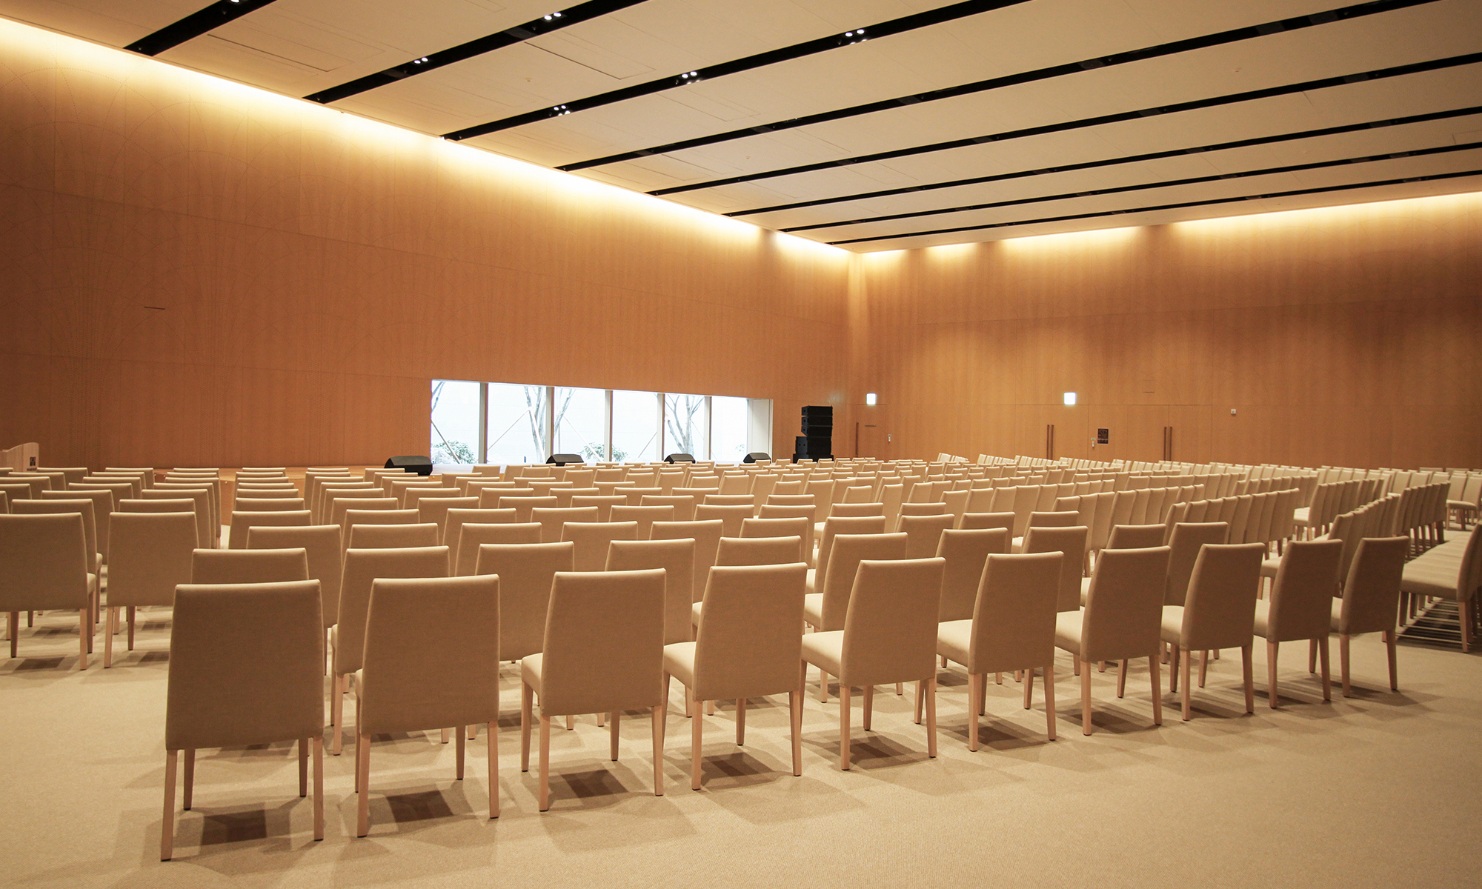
1379,789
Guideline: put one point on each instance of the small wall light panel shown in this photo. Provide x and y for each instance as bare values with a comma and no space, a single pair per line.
870,399
1069,399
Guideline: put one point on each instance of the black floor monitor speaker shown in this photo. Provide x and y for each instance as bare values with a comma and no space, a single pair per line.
418,465
754,456
565,459
680,458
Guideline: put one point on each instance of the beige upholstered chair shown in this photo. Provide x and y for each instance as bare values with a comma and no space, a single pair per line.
43,567
397,536
593,538
1187,540
683,504
1370,601
552,518
965,553
267,504
249,565
1072,541
975,520
924,533
246,664
1011,627
832,528
322,546
436,509
209,520
103,506
603,503
1120,621
1218,611
645,516
797,526
526,572
706,535
1137,536
677,559
826,610
735,551
603,653
362,568
1300,606
747,646
431,661
245,519
83,507
198,508
730,515
152,554
888,635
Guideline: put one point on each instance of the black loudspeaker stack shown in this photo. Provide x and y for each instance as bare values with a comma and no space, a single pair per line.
413,464
817,440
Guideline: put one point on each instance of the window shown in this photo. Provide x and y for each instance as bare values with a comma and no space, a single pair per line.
635,427
455,421
728,428
581,422
517,429
687,426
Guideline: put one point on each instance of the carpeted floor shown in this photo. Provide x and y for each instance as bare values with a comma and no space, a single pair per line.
1378,789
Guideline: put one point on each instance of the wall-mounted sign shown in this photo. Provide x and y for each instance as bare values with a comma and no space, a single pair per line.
1103,436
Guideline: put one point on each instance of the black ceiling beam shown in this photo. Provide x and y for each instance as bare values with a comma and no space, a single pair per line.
1099,163
1204,41
1086,122
901,25
194,25
546,24
1182,205
1148,186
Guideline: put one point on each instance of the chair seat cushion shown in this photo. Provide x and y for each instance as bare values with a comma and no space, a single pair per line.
954,638
813,609
1172,628
811,583
1068,627
695,614
826,651
1269,567
1085,589
679,661
1263,618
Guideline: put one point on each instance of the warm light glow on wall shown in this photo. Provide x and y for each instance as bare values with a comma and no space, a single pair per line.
1446,205
19,41
952,252
1101,237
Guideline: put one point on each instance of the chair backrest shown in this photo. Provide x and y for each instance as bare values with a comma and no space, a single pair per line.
1124,606
890,630
522,504
748,643
604,642
552,518
645,516
1136,536
844,557
397,536
677,559
152,553
924,533
457,517
731,516
431,654
1072,542
1058,519
246,665
1302,596
82,507
324,547
362,568
43,562
739,551
526,572
198,503
1220,608
1014,611
683,505
1187,539
706,534
1372,592
983,520
797,526
249,566
245,519
593,538
464,552
436,509
842,525
267,504
965,553
859,508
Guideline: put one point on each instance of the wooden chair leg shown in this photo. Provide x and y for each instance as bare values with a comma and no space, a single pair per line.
1389,644
132,613
612,735
545,763
740,722
869,705
900,688
1204,659
1343,664
930,684
917,706
1086,698
362,778
167,824
493,766
303,767
975,689
462,747
15,630
1174,655
657,728
795,708
697,739
1312,656
527,697
843,727
1028,686
84,636
1050,700
1250,690
822,687
1327,682
1122,678
1187,695
108,631
337,713
1271,648
190,777
317,742
1155,671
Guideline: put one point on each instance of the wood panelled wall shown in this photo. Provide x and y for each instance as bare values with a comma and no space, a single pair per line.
1344,336
195,273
